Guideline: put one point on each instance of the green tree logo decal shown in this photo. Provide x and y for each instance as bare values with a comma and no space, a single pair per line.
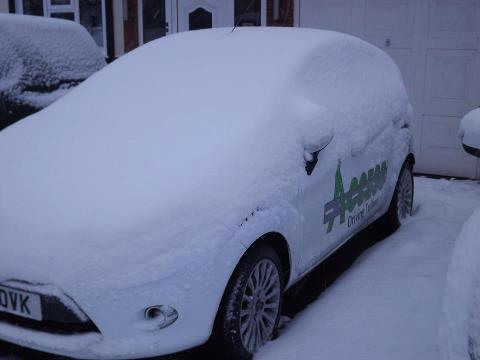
360,191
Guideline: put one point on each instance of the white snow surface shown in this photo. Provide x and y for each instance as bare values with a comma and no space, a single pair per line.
460,328
154,161
388,305
35,50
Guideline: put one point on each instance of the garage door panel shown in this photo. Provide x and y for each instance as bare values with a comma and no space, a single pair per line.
404,60
450,85
389,23
441,150
436,44
332,15
454,24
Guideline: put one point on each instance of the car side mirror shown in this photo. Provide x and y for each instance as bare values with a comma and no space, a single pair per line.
470,132
312,151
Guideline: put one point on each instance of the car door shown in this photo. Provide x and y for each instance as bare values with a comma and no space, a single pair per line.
344,192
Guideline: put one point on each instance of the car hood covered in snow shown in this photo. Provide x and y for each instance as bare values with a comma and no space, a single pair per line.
154,162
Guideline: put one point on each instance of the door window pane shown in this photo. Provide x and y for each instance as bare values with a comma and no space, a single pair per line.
154,20
130,24
33,7
248,13
280,12
63,15
200,19
91,18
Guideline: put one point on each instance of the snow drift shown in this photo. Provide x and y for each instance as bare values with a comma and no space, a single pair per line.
154,161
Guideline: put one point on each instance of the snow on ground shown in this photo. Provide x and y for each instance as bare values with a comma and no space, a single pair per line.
388,304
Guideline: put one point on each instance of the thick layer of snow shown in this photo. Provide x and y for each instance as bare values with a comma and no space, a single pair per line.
11,68
153,162
470,129
38,51
41,100
389,304
460,330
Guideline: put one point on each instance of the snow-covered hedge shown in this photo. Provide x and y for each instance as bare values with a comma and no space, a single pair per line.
460,328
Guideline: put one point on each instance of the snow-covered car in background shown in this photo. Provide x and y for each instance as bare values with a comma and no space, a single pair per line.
40,60
470,132
460,326
176,194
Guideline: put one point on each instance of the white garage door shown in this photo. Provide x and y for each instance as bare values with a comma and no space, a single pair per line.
436,45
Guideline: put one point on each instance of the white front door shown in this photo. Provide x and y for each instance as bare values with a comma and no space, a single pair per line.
204,14
436,44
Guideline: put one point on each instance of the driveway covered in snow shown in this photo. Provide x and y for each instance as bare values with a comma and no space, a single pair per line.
388,304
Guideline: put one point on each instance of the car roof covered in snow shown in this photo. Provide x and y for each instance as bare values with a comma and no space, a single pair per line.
43,52
164,152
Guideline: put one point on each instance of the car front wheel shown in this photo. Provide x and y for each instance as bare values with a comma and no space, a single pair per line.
250,310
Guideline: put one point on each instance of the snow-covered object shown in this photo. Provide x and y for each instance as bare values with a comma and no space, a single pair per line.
470,129
38,52
169,148
460,328
10,65
156,171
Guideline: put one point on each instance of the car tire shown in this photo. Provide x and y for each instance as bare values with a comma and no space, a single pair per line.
401,205
250,311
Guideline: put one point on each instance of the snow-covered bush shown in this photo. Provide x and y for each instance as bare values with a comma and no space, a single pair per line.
460,327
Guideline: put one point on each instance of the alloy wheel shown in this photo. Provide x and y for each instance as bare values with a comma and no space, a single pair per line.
260,305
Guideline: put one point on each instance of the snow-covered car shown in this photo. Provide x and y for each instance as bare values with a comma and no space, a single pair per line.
460,325
470,132
175,195
40,60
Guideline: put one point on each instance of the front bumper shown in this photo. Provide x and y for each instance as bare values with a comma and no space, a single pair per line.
115,327
119,315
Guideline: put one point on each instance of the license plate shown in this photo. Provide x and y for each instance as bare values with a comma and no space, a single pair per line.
21,303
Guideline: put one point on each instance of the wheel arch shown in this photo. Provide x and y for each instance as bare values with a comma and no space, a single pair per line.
280,245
